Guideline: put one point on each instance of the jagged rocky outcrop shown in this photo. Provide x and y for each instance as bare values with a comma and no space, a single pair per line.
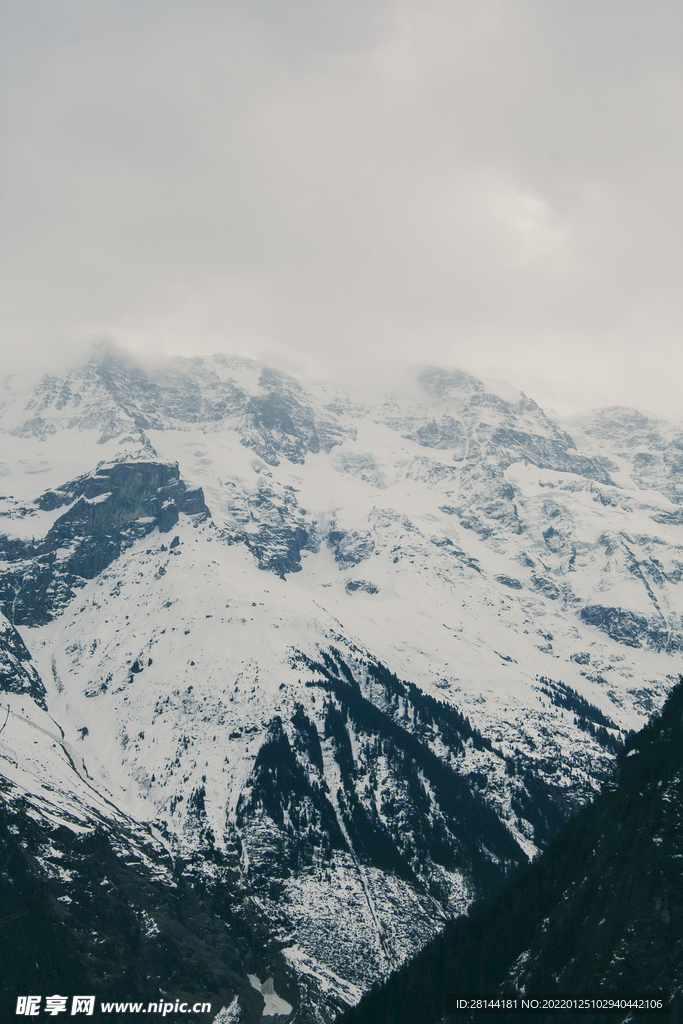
272,412
284,530
17,671
652,448
350,547
484,435
624,626
106,512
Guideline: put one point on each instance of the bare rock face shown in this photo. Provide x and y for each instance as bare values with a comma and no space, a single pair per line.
108,510
17,672
652,632
350,547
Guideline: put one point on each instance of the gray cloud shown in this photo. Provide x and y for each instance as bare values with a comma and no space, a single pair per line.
491,184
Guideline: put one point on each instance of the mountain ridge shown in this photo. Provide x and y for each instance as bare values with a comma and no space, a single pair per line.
313,620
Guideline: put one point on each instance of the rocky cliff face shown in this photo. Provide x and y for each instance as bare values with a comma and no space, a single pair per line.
354,661
17,672
107,511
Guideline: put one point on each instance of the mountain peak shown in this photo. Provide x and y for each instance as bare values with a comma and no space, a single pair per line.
351,658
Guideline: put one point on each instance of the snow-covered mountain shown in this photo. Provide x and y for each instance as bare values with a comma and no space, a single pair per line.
350,658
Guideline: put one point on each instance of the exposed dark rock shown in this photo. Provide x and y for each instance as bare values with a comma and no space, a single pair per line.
353,586
484,450
284,528
281,423
279,550
655,452
278,421
447,545
546,585
448,434
17,672
107,511
558,453
509,581
350,547
634,630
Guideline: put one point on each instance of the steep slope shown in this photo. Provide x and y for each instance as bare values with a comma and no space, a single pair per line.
91,900
373,653
599,913
107,510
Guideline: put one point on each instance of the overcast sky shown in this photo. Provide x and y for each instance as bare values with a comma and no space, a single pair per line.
334,184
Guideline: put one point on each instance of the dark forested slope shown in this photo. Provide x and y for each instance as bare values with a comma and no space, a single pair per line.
600,912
